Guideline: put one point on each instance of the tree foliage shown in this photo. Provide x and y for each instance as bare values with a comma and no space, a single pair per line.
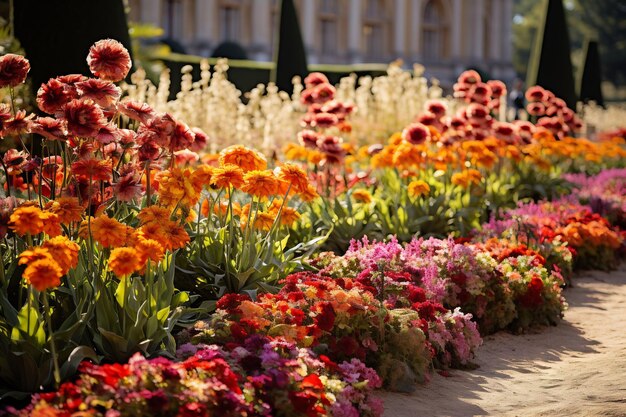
604,20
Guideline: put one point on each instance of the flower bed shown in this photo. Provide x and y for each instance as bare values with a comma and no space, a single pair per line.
125,240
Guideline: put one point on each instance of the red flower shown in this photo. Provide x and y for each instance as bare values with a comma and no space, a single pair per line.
325,318
181,138
49,128
416,294
428,309
109,60
416,133
312,381
13,70
141,112
92,169
103,93
533,297
84,118
230,302
53,95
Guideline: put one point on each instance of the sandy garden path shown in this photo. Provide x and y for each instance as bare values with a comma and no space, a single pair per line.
575,369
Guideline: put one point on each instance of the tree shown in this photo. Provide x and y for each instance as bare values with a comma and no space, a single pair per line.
57,34
290,59
551,62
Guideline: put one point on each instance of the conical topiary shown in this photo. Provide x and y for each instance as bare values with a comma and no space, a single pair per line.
591,76
289,56
551,62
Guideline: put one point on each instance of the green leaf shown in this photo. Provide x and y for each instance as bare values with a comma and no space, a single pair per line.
30,326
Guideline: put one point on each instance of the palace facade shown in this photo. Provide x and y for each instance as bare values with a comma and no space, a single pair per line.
446,36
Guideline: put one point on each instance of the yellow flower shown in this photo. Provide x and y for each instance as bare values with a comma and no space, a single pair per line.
418,188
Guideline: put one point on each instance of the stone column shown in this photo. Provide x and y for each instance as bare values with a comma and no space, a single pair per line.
399,33
261,29
309,17
205,18
355,31
479,28
455,29
507,31
495,53
151,12
417,9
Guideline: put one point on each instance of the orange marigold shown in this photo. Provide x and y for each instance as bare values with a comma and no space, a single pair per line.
227,176
34,254
124,261
51,224
418,188
294,175
43,274
175,236
261,183
27,220
93,169
67,208
153,214
362,196
309,194
108,232
63,251
264,221
243,157
149,249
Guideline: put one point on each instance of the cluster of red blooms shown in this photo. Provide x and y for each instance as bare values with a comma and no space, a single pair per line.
553,113
84,114
323,114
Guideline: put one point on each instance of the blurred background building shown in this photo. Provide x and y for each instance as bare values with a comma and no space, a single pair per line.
446,36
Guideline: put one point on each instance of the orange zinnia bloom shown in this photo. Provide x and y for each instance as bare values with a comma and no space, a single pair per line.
289,216
43,274
67,208
149,249
260,183
244,158
174,235
27,220
201,177
92,168
153,214
418,188
108,232
263,221
124,261
35,254
309,194
227,176
63,251
362,195
294,175
51,224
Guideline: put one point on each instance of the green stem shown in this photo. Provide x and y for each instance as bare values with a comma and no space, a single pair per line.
55,359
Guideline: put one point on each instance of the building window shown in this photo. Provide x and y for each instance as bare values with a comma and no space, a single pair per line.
230,20
434,31
329,36
374,30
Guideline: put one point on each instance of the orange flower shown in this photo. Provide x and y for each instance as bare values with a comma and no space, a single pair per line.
244,158
124,261
263,221
418,188
63,251
149,249
466,178
43,274
201,177
289,216
35,254
176,186
174,235
92,168
108,232
67,208
227,176
220,209
51,224
362,196
153,214
309,194
260,183
294,175
27,220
